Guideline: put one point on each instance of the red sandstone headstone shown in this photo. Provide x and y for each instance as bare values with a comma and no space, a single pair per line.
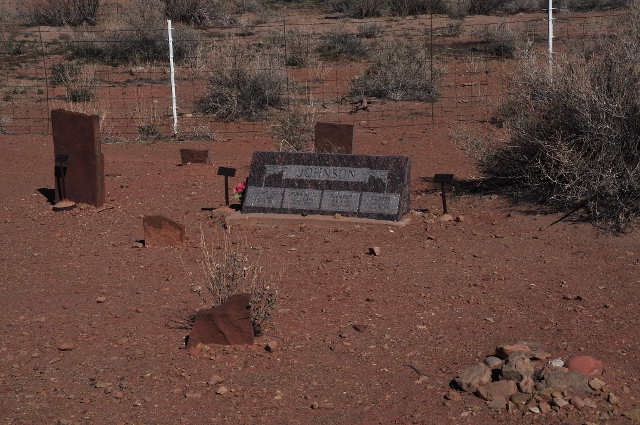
195,156
334,138
78,135
160,231
227,324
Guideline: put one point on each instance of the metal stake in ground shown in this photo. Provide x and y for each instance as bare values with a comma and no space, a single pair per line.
60,172
226,172
442,179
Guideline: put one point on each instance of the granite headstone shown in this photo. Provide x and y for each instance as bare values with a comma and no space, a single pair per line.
334,138
364,186
78,135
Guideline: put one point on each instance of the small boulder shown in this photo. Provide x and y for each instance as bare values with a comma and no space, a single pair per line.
527,385
227,324
504,351
571,381
499,403
493,361
472,377
517,367
587,365
497,389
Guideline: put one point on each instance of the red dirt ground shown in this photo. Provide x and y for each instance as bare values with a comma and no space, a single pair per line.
441,296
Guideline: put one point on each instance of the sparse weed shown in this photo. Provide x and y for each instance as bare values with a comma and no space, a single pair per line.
295,130
138,36
146,118
232,269
339,43
357,8
4,122
101,108
243,86
206,13
398,72
80,82
499,40
370,30
59,13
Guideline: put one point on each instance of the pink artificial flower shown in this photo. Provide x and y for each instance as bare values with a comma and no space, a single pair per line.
239,189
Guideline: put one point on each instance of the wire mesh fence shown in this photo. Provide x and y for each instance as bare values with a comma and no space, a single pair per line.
311,68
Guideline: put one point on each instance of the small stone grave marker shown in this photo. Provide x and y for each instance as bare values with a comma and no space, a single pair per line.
161,231
195,156
334,138
77,136
364,186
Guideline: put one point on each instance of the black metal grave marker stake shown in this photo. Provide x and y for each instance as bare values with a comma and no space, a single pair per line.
226,172
442,179
60,172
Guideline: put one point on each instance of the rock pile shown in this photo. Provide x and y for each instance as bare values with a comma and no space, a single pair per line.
520,377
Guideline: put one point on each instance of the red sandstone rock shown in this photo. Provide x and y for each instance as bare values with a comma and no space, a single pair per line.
586,365
471,378
161,231
497,389
227,324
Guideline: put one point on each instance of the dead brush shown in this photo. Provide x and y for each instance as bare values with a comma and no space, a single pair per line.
294,131
243,85
574,135
398,72
233,269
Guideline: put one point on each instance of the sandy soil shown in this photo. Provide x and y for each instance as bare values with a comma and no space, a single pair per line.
441,296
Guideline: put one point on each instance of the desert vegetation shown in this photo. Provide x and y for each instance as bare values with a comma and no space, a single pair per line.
244,85
231,269
60,13
398,72
574,129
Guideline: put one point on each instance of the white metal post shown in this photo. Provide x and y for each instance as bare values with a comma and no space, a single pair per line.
550,38
173,82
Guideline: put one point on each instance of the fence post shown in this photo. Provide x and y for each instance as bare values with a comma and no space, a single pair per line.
173,82
550,38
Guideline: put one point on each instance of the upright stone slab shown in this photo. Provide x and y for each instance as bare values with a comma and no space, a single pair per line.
78,135
334,138
195,156
308,183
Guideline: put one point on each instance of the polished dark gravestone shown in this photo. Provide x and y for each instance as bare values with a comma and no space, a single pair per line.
77,136
334,138
308,183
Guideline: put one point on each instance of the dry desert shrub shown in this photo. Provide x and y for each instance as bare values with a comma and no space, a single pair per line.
499,39
398,71
234,269
243,85
200,12
357,8
574,135
340,43
140,35
294,131
58,13
79,81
